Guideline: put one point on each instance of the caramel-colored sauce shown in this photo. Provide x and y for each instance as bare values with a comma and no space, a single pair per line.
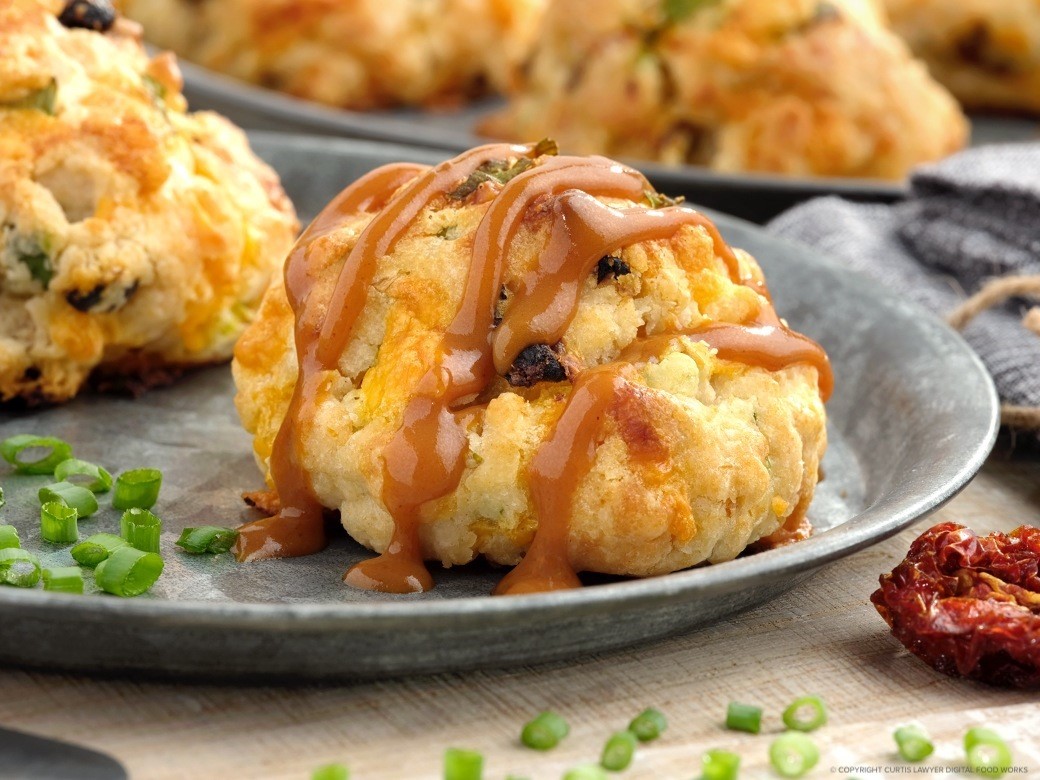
299,527
425,459
556,470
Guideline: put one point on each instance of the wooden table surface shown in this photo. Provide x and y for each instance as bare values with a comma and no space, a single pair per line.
822,637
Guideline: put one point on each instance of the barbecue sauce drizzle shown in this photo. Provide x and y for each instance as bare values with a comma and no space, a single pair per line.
426,457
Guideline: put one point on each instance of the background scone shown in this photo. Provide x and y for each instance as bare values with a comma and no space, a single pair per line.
134,237
987,52
798,87
360,54
696,456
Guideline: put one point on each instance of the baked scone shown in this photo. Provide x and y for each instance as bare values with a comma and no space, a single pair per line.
799,87
526,356
360,54
135,238
986,52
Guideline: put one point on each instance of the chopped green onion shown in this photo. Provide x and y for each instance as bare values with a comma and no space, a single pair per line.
63,579
18,568
2,499
207,539
99,480
618,752
585,772
805,713
792,754
137,489
128,572
913,743
58,523
743,717
9,537
987,753
79,498
56,451
463,764
544,731
141,529
648,725
95,548
720,765
331,772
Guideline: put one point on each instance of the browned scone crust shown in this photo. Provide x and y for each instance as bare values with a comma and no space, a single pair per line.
799,87
360,54
696,458
987,52
135,239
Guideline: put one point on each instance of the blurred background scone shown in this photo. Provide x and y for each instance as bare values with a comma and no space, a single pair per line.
696,456
135,238
987,52
798,87
359,54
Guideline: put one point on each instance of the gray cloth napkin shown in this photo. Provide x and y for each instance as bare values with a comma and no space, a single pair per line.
969,218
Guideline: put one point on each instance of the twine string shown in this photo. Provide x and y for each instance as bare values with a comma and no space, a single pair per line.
996,293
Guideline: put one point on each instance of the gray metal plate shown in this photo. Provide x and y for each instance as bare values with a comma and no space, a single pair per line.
912,419
757,197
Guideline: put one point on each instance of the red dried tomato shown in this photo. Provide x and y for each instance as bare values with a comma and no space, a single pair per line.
969,605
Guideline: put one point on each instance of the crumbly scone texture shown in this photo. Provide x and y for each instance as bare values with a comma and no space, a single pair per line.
135,238
987,52
796,87
360,54
697,457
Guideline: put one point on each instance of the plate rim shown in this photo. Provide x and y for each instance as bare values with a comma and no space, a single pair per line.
875,523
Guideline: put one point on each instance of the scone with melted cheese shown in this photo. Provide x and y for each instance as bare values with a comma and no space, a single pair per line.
986,52
797,87
695,454
361,54
134,237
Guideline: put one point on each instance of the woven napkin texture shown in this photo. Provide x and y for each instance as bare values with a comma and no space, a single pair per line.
968,219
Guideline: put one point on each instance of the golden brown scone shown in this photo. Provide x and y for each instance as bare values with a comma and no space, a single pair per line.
134,237
987,52
361,54
696,456
798,87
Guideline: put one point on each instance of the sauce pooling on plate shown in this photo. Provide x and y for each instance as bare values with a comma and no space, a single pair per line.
426,457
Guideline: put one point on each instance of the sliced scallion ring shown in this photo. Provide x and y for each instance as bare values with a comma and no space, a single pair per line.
19,568
49,451
913,743
63,579
720,765
128,572
806,713
9,537
793,754
58,523
141,529
986,753
98,480
79,498
137,489
207,539
95,548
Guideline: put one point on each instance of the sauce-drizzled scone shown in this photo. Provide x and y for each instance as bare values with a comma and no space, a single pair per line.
360,54
797,87
135,238
530,357
987,52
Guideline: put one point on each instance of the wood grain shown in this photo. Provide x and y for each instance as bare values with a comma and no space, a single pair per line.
821,637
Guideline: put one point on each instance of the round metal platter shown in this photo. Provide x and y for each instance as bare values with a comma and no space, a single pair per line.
913,417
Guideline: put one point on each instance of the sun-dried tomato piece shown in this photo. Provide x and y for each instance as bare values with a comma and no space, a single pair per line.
969,605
